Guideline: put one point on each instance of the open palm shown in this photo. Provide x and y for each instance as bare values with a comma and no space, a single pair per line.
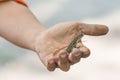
52,43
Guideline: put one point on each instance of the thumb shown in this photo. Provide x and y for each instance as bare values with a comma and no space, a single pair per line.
93,29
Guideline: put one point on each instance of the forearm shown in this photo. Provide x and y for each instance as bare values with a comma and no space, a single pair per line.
18,24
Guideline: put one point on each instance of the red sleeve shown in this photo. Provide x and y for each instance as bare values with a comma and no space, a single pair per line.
19,1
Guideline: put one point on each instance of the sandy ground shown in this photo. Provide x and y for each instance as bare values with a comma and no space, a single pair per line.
103,63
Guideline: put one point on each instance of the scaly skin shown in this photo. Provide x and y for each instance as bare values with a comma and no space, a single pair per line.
74,42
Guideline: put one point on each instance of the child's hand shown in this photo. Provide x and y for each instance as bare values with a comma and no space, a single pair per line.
51,44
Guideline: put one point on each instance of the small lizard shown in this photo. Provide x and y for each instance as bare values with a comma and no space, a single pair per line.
74,42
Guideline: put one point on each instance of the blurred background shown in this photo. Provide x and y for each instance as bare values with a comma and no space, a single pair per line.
104,62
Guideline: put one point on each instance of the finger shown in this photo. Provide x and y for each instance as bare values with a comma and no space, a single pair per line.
93,29
85,51
51,65
79,44
75,56
63,62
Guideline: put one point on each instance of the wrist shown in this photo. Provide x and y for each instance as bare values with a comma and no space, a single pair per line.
37,36
38,40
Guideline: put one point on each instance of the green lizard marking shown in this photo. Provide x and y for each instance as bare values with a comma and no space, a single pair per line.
74,42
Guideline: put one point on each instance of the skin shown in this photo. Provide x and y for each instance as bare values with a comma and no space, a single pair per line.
19,26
